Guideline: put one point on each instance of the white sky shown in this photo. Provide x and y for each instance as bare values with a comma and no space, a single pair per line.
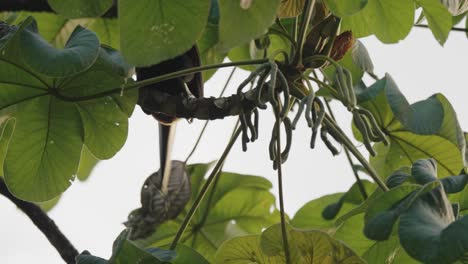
90,213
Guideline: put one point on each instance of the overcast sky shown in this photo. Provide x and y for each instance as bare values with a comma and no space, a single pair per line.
90,214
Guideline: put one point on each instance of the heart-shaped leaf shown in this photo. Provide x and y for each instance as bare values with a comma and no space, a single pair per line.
48,121
426,129
165,28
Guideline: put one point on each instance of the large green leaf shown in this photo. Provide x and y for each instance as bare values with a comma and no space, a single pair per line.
344,8
429,232
388,252
218,218
389,21
425,129
79,53
438,18
47,130
238,24
81,8
305,246
165,28
44,151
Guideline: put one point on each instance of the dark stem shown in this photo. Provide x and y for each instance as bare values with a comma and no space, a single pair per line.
284,231
45,224
172,75
452,29
349,145
303,30
362,189
204,190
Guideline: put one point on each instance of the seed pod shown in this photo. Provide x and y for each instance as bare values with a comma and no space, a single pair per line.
361,126
328,144
375,126
341,45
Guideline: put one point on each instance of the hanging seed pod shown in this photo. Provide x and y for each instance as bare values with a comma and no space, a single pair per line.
327,142
361,126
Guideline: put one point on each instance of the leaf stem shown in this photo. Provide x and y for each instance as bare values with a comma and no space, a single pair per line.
204,190
350,146
284,231
158,79
452,29
362,189
43,222
303,30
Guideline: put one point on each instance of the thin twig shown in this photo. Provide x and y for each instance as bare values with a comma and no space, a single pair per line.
452,29
278,161
47,226
206,122
204,190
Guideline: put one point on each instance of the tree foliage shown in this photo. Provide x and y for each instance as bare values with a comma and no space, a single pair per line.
66,93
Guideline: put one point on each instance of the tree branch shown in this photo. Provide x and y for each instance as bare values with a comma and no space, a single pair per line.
45,224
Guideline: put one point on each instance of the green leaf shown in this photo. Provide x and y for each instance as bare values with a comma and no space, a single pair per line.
389,252
429,232
438,18
240,24
380,215
188,255
306,246
389,21
49,128
218,218
87,163
209,54
81,8
426,129
79,54
361,58
46,131
309,215
344,8
353,196
105,127
165,28
349,230
290,8
49,205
